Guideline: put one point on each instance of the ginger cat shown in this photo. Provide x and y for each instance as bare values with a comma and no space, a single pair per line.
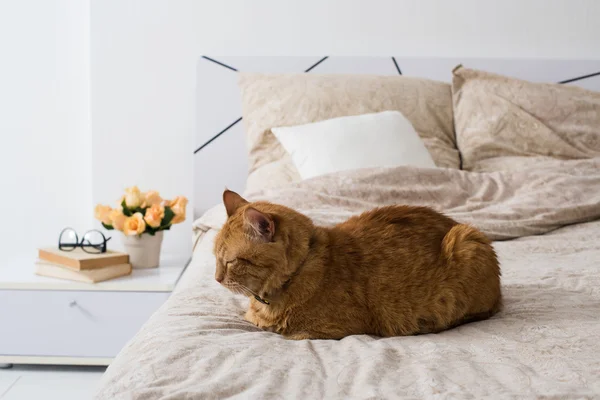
392,271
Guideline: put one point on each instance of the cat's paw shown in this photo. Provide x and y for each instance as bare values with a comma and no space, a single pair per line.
251,317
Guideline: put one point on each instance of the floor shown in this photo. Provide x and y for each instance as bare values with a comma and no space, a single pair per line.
26,382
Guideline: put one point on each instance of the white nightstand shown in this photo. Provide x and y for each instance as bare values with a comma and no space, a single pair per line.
52,321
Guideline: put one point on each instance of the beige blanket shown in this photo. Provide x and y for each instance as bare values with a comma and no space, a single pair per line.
504,205
546,342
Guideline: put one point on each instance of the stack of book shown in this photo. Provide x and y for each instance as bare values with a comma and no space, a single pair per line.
77,265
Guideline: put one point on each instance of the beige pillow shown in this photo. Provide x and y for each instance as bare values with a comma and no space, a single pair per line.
271,101
505,123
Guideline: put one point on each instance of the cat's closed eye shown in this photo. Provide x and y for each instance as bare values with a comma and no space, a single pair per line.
248,263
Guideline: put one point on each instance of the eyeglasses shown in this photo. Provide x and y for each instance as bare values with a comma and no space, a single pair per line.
93,242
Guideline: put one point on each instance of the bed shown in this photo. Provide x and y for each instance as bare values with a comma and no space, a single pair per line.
518,160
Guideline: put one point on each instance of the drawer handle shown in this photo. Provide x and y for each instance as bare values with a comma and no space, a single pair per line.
85,312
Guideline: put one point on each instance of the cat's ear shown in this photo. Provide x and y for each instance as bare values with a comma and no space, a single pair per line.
232,201
261,225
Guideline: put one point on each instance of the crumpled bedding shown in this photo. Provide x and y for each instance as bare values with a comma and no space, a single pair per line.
545,343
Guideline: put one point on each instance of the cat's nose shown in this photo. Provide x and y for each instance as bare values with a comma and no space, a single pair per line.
219,278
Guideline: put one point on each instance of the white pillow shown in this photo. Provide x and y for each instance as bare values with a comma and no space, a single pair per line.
385,139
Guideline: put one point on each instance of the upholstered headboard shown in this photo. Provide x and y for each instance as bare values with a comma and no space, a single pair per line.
220,157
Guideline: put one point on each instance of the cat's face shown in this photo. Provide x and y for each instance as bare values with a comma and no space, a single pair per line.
251,249
244,263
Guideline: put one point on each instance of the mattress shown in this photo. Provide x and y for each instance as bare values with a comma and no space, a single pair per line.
544,343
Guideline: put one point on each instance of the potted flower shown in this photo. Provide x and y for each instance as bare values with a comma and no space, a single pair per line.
142,217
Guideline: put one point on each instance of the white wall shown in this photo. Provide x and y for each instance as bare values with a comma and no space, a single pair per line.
169,31
45,166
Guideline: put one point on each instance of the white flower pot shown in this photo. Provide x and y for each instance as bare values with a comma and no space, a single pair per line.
144,250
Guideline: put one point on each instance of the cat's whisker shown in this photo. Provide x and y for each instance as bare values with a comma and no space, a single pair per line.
256,296
250,291
240,289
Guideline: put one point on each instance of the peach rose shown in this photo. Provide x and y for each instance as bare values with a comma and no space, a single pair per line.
154,215
133,197
117,218
134,225
102,214
151,198
178,205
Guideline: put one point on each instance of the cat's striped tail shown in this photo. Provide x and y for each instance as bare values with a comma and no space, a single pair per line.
470,251
464,242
